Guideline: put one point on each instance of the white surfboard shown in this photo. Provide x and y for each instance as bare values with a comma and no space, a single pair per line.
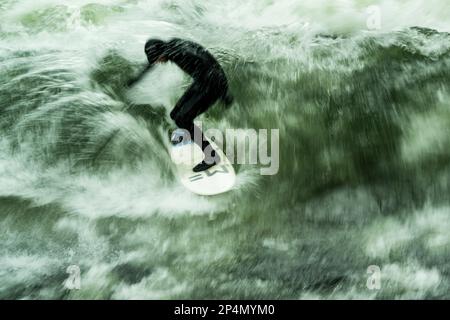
216,180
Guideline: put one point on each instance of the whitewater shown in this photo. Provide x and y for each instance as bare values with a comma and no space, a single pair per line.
358,89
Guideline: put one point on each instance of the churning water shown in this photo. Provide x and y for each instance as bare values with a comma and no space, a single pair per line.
364,124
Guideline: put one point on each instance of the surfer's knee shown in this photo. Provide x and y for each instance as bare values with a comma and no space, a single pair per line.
172,115
180,122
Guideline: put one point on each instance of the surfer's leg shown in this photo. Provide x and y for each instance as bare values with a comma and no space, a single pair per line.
189,106
193,103
188,103
186,122
185,104
211,156
186,110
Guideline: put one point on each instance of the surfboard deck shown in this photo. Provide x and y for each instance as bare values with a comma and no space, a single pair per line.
216,180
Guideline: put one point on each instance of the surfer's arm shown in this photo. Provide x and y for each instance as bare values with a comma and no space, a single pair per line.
139,76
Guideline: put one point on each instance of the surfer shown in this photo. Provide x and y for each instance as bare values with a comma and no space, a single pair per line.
209,85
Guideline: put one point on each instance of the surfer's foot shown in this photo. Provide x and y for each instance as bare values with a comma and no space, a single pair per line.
178,136
207,163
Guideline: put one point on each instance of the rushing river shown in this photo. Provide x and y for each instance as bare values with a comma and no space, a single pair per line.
360,95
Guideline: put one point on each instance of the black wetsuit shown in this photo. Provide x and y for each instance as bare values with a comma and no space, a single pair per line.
209,84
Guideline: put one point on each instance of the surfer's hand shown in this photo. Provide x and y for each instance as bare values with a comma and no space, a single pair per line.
228,100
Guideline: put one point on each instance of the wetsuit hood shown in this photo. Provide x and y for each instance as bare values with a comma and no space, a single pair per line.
154,48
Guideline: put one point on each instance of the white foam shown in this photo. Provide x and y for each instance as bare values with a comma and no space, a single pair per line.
429,226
